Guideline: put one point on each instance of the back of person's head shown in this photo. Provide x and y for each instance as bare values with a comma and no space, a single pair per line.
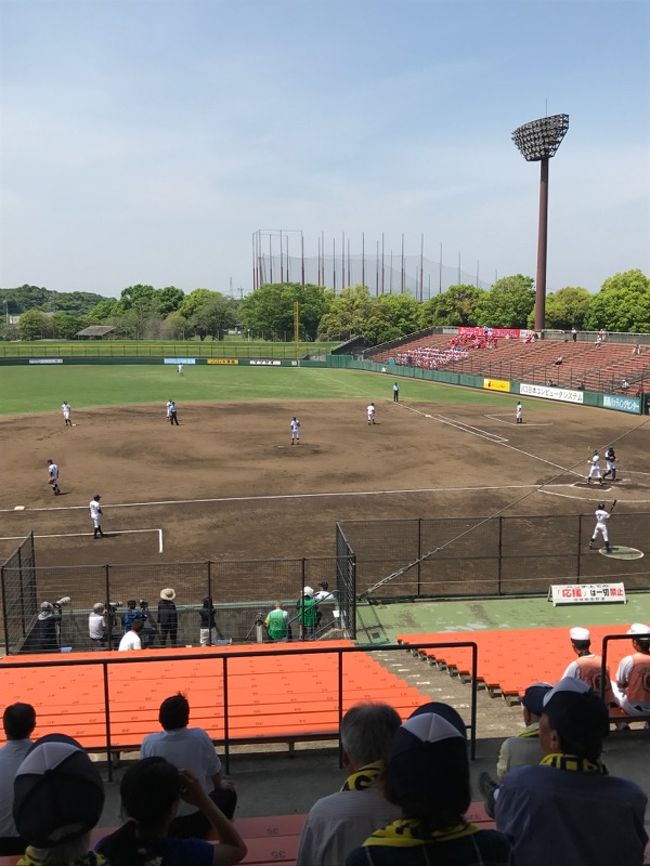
174,712
58,797
640,636
578,716
149,790
137,624
427,771
19,720
580,637
367,732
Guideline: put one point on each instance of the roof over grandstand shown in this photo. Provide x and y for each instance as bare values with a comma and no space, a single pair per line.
95,331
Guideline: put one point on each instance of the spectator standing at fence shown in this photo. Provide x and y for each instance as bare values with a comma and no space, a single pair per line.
151,791
588,666
567,809
97,625
632,687
427,776
47,628
276,623
167,617
53,477
131,640
295,431
371,413
340,822
189,749
129,615
96,515
307,614
209,633
395,392
66,410
19,721
58,799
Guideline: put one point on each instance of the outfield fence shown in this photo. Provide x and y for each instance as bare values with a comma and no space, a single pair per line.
157,348
486,556
243,592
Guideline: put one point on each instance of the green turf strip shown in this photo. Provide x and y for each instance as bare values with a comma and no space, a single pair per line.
42,388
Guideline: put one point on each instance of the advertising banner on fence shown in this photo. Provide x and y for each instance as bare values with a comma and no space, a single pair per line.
496,384
623,404
482,332
46,360
223,361
586,593
262,363
179,361
547,392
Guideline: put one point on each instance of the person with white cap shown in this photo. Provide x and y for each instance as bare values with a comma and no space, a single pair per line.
602,516
632,686
58,799
427,776
307,614
588,665
340,822
97,625
167,617
568,810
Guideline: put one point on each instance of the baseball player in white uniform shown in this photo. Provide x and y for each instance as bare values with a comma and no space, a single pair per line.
53,475
96,516
594,468
66,409
602,516
371,413
519,414
295,431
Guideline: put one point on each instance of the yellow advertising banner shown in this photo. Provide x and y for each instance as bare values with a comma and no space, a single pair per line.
223,360
496,384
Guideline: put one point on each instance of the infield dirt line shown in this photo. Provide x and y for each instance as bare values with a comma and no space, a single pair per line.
275,497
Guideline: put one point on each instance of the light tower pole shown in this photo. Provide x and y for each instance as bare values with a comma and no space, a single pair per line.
538,141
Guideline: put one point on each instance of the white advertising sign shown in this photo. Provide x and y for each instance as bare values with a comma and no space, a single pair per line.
586,593
547,392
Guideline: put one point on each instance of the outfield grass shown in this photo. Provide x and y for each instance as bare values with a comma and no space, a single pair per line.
40,389
231,347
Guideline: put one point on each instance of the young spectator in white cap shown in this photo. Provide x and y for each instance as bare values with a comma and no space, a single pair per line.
631,689
58,799
427,776
567,809
588,665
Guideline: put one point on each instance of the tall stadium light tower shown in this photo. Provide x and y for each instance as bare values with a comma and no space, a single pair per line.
538,141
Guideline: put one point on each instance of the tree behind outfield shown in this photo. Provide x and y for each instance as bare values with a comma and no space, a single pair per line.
458,305
507,304
269,311
623,304
35,325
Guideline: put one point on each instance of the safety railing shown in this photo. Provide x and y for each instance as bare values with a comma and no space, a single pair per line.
128,658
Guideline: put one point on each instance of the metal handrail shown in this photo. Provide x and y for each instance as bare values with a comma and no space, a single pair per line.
127,658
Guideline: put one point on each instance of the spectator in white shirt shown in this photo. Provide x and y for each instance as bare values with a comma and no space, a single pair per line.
131,640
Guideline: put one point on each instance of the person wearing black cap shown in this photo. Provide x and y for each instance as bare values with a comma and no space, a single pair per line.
567,809
58,799
427,776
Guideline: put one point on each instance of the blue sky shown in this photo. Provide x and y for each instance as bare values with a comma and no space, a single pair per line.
146,141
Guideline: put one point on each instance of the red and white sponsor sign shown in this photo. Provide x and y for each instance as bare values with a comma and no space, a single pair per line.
586,593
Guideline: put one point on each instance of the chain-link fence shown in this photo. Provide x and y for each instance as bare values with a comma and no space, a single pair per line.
242,593
504,555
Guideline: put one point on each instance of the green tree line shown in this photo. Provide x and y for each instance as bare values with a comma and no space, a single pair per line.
144,312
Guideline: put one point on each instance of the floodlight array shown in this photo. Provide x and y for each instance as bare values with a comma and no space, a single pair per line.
540,139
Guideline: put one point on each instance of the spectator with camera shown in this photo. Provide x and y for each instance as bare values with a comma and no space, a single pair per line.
97,625
47,626
209,632
189,749
152,791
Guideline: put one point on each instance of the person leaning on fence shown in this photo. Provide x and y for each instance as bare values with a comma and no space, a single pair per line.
276,623
307,614
97,625
151,792
209,632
